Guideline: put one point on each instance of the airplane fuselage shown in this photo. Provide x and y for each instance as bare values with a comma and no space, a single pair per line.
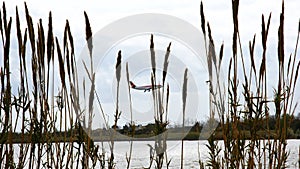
145,88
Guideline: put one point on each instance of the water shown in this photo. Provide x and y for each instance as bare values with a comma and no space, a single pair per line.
141,155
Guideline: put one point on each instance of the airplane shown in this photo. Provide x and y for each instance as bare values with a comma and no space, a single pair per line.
145,88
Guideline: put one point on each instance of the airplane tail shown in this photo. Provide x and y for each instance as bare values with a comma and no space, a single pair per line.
132,84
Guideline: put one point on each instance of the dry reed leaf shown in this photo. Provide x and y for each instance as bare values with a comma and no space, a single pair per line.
83,87
166,63
24,48
67,58
65,36
152,52
211,49
66,48
2,79
263,32
289,64
70,38
297,72
229,68
209,33
202,19
184,90
127,75
118,66
6,48
34,72
281,38
221,55
262,68
92,94
61,64
160,109
153,92
4,17
1,27
50,39
268,25
210,53
87,70
19,34
88,32
41,44
129,93
167,100
30,29
251,49
235,10
299,27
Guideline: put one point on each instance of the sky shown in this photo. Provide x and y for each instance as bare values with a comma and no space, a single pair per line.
102,13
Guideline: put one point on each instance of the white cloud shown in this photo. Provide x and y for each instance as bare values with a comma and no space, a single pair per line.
218,13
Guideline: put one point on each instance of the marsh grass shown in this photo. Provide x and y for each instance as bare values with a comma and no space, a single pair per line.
55,129
254,107
44,140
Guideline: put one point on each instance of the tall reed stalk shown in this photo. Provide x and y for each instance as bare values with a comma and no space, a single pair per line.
184,96
160,108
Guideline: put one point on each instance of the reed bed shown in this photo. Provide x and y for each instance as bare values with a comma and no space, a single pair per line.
50,134
55,129
249,100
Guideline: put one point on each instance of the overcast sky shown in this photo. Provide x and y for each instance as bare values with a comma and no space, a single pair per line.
217,12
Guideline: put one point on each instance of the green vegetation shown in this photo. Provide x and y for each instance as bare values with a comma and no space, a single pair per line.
174,133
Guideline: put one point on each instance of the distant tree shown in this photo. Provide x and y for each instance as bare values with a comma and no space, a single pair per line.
298,116
295,124
113,126
125,127
272,122
297,133
196,127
